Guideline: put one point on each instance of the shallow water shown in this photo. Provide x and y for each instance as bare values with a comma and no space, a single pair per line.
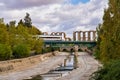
57,72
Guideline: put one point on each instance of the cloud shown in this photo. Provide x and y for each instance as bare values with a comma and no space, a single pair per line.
54,16
83,15
21,4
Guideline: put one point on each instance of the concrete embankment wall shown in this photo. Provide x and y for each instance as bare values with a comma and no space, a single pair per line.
23,63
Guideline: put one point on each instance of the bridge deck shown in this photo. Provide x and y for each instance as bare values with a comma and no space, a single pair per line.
70,42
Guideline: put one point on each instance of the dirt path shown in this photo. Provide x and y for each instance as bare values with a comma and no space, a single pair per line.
41,68
87,65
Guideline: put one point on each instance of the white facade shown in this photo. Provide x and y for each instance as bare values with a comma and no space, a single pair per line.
49,37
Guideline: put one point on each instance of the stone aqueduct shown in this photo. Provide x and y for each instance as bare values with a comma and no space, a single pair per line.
77,35
84,36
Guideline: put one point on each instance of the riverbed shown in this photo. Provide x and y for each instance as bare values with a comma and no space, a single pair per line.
86,66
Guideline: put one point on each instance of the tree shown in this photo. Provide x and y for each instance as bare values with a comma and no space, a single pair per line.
97,50
34,31
38,46
110,71
5,52
109,45
27,19
12,23
21,23
4,35
21,50
1,20
18,39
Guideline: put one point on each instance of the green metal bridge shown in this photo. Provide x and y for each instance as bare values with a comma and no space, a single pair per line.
70,43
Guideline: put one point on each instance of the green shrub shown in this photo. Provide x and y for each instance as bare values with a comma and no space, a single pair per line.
21,50
110,71
5,52
97,54
48,49
38,46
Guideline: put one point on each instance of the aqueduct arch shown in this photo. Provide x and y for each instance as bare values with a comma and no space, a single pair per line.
84,36
63,34
67,39
53,33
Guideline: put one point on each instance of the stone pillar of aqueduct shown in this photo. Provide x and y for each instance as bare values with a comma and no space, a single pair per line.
84,36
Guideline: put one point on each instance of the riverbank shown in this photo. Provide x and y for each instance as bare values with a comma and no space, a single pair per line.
87,65
39,68
23,63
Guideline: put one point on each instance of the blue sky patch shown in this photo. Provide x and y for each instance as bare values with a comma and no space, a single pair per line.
75,2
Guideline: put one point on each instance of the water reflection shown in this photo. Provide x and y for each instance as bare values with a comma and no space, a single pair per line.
63,70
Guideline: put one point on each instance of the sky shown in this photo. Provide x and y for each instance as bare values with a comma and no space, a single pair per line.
56,15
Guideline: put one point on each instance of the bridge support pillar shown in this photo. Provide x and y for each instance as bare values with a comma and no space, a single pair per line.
74,36
84,37
79,36
94,35
89,36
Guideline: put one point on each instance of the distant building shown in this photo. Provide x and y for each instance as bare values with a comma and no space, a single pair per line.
54,36
50,37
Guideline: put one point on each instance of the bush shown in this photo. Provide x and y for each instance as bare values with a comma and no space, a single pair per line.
48,49
5,52
97,54
21,50
111,71
38,46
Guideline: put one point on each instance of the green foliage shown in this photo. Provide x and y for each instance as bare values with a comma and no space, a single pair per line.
48,49
4,35
5,52
97,49
34,31
21,50
27,19
1,20
97,53
13,36
38,46
12,23
21,23
108,43
110,71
